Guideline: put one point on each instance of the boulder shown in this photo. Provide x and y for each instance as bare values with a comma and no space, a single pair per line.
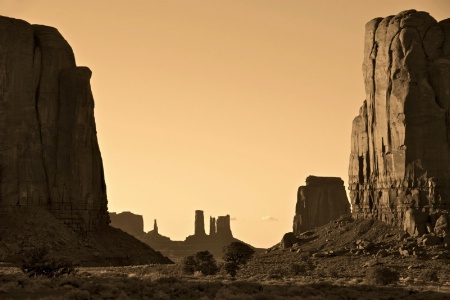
289,239
441,226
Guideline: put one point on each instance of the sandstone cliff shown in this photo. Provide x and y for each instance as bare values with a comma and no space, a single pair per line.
52,187
322,200
399,167
49,154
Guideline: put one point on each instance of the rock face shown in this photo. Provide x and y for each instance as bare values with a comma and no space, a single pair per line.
128,222
51,170
49,154
322,200
400,151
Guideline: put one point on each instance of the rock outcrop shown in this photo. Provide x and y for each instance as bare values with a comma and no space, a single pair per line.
399,168
128,222
218,229
49,154
322,200
51,170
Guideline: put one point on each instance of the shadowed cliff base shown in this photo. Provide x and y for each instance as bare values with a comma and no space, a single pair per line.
25,229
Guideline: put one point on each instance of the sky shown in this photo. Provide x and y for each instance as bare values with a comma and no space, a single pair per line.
224,106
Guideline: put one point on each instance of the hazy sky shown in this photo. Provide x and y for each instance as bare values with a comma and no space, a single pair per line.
224,106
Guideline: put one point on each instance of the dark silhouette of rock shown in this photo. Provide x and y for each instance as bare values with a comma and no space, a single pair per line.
322,200
400,153
49,150
51,170
155,226
223,226
220,235
128,222
155,239
199,223
219,230
212,226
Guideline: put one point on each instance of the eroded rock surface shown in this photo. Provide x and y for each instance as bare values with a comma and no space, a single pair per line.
400,152
49,154
322,200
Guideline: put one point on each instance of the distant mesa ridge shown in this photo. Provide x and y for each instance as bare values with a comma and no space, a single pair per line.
220,234
218,229
322,200
399,169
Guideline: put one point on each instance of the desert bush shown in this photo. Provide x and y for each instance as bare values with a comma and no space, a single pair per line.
38,262
297,269
78,295
381,275
429,275
235,255
202,261
277,273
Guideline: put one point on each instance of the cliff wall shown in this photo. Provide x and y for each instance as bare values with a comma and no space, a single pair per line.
399,168
49,154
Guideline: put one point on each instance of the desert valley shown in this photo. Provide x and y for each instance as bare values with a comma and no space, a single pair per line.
387,238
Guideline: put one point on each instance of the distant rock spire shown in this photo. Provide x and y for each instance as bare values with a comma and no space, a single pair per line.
155,226
212,226
199,223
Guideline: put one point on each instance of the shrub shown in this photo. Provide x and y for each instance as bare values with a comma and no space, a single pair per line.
381,275
202,261
277,273
189,265
429,275
37,262
235,255
78,295
297,269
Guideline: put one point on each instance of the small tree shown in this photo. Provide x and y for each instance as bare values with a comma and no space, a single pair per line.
206,263
202,261
189,264
235,255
